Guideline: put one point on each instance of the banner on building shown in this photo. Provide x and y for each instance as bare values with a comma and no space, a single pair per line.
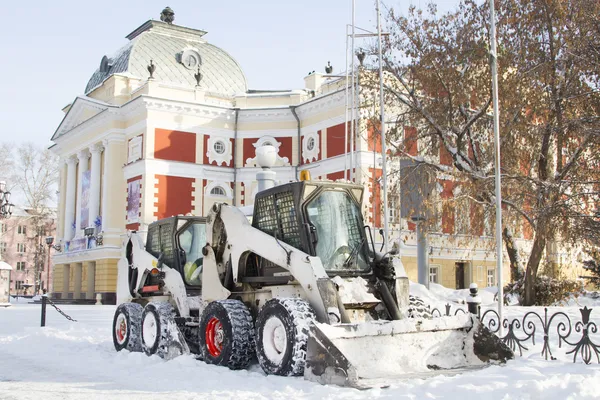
133,201
85,200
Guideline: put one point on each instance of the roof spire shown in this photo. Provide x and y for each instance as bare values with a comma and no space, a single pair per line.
167,15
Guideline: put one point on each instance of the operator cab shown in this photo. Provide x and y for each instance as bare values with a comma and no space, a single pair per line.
322,219
180,240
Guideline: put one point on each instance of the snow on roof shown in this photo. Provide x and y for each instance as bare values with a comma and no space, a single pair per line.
4,265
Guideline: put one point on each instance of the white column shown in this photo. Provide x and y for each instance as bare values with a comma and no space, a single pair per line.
83,167
94,205
70,198
113,190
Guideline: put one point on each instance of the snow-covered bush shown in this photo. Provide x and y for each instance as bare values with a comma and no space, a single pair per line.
548,291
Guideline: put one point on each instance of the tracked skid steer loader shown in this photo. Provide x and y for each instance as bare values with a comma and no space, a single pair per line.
298,283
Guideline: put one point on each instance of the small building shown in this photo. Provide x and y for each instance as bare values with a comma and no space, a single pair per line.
23,246
4,284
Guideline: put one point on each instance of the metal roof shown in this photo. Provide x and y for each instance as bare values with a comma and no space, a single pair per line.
161,43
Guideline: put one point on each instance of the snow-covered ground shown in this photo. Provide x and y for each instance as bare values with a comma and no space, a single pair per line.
76,360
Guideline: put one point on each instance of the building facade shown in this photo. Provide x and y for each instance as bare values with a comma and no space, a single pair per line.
23,247
168,126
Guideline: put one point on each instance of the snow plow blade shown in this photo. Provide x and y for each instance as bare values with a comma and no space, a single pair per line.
364,355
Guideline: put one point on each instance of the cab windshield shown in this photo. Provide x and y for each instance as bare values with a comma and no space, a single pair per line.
341,243
191,240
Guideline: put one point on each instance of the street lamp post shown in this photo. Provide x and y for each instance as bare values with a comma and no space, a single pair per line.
49,242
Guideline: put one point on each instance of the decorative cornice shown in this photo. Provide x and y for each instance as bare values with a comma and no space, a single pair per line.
96,148
83,155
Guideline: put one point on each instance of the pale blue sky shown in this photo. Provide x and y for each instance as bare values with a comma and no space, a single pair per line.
51,48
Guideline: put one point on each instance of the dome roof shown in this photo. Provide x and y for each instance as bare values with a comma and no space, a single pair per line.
167,46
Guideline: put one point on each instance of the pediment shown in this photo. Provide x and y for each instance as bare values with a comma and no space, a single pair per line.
82,109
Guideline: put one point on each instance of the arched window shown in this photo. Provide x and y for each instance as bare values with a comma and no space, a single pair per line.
217,191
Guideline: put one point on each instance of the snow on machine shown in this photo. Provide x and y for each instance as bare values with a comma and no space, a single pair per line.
301,286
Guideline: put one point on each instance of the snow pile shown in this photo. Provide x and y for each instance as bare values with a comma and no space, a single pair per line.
354,290
76,360
589,299
437,295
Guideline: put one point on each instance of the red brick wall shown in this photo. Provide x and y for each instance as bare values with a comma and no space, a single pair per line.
174,196
374,136
447,207
375,198
410,140
175,145
335,140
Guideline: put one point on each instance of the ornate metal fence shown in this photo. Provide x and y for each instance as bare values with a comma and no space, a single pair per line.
521,330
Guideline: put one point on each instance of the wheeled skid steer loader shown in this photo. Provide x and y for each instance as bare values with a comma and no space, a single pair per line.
301,286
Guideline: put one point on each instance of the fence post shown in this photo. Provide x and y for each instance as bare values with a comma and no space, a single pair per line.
44,300
473,301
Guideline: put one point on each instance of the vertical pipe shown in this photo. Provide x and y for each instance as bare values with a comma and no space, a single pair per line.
357,125
346,124
383,145
422,256
235,134
497,159
353,113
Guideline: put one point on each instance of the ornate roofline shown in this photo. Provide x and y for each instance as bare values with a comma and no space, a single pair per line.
169,29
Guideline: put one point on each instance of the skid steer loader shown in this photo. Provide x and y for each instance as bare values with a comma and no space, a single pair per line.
301,286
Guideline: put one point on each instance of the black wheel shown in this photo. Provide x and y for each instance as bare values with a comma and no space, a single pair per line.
159,331
417,308
281,336
127,331
226,334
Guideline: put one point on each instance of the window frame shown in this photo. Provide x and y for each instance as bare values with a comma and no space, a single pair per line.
223,192
493,276
438,275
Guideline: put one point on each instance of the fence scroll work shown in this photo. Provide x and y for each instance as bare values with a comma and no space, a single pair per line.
518,332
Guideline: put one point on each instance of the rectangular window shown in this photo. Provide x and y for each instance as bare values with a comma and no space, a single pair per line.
3,247
18,284
491,277
20,265
21,248
4,226
22,230
434,274
392,212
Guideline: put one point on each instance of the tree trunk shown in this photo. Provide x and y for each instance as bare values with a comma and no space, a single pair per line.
539,243
516,269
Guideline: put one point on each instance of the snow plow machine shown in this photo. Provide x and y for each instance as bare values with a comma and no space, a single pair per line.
300,286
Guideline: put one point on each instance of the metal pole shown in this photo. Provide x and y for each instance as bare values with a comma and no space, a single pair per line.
357,124
353,114
48,273
383,146
497,157
44,300
346,124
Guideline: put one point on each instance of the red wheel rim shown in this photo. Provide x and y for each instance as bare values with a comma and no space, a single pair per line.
214,337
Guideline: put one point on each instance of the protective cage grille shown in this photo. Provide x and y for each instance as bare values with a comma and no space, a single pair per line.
161,240
276,216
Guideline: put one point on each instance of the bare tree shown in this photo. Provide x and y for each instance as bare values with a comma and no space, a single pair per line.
439,81
35,174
